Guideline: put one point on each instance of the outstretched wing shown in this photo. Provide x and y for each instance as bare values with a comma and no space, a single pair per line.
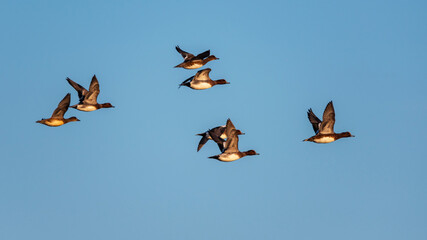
187,56
203,75
215,134
328,122
92,95
314,120
203,141
80,90
62,107
232,143
229,127
186,81
203,55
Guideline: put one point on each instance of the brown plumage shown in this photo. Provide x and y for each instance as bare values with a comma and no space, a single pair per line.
194,62
57,119
202,81
218,135
88,99
231,151
325,129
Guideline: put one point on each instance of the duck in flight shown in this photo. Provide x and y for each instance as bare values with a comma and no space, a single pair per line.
87,99
202,80
57,119
231,149
325,129
194,62
218,135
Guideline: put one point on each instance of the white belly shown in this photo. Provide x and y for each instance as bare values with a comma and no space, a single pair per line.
200,85
324,140
194,66
228,157
86,108
54,122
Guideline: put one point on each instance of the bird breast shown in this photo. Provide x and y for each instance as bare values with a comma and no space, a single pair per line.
194,65
86,108
200,85
229,157
324,139
54,122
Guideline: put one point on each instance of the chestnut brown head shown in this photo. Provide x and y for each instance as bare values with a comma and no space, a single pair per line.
106,105
221,81
251,152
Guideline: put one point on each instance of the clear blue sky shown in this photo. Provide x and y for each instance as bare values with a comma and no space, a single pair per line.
133,172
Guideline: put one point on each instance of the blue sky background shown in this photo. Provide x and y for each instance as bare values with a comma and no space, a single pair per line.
133,172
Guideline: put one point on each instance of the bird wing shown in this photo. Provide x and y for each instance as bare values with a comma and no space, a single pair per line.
215,134
328,122
187,56
186,81
62,107
203,75
93,93
203,141
80,90
229,127
203,55
232,143
314,120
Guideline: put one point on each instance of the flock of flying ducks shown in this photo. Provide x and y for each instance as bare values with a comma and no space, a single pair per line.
226,136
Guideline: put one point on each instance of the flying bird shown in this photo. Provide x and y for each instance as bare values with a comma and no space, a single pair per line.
218,135
194,62
57,119
202,81
231,151
87,99
325,129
